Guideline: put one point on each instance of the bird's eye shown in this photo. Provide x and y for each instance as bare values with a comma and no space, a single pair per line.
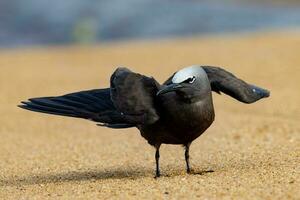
190,79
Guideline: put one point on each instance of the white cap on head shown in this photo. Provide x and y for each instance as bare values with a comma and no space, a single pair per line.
188,72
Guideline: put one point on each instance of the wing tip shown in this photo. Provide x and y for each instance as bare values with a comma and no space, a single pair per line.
256,95
263,93
23,105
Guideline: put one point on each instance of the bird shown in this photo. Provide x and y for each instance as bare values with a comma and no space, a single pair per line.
176,112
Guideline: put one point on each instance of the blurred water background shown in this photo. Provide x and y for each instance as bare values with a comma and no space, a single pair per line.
45,22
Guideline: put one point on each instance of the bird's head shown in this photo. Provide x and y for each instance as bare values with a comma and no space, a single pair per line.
188,82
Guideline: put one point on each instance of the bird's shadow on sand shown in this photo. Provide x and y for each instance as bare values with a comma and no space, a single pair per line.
88,175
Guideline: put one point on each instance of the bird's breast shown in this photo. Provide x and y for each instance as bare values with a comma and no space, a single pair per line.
187,120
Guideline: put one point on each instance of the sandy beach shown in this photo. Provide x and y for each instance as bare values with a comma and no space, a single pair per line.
250,152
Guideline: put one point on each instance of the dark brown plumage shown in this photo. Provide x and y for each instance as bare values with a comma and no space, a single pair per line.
176,112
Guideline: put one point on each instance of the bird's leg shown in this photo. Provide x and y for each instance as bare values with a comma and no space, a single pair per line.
187,157
157,174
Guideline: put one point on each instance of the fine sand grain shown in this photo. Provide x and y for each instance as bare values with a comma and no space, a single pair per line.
250,152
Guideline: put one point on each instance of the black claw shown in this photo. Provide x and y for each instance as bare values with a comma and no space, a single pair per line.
157,175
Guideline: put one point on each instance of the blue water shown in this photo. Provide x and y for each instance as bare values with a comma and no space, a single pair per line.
60,22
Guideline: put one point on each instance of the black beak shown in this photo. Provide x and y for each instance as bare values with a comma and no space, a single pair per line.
169,88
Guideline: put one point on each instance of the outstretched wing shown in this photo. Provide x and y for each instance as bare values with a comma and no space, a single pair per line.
134,96
224,81
129,102
95,105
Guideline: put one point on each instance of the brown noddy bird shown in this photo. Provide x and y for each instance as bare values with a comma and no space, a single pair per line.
176,112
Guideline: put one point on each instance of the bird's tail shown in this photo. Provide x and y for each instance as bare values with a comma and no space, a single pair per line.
95,105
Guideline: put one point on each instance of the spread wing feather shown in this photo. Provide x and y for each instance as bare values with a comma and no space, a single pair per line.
224,81
95,105
129,102
134,96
